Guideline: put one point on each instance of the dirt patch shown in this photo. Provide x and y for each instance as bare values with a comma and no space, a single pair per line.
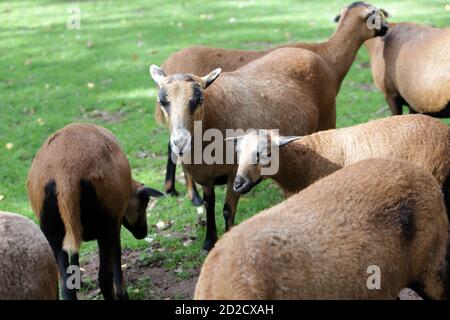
145,280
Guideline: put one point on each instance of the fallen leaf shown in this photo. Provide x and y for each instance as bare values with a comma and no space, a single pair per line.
9,146
2,197
232,20
200,210
89,44
124,266
161,225
40,121
90,85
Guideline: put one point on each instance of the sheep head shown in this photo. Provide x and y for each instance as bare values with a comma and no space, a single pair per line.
180,97
135,218
254,152
365,19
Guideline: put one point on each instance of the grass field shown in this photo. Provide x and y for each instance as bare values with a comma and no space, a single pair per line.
52,76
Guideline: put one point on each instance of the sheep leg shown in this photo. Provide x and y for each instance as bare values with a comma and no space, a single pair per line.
171,170
209,198
105,274
229,208
119,283
62,259
192,190
395,104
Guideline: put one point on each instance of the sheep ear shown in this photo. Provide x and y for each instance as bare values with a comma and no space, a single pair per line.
281,140
337,18
157,74
384,13
209,78
146,193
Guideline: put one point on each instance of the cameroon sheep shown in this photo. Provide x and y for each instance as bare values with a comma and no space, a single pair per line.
80,188
289,88
411,66
417,138
27,267
338,51
364,232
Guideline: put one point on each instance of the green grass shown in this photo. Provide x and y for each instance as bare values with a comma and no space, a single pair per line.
45,69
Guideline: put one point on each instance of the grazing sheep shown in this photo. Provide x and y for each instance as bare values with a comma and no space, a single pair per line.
27,267
417,138
338,51
411,66
292,89
80,188
380,217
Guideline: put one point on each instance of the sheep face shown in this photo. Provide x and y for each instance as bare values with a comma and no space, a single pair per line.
180,97
254,152
371,18
135,218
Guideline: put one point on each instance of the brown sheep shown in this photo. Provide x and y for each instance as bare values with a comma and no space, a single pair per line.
379,217
289,88
80,188
411,66
338,51
417,138
27,267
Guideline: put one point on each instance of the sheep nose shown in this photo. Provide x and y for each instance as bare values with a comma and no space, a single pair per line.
241,184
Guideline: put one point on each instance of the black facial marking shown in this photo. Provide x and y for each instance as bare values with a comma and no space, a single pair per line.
197,97
162,97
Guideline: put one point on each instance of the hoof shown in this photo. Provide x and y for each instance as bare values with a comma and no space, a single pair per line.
208,245
197,201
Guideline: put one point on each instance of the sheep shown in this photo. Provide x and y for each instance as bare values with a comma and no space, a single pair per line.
80,189
410,65
303,160
338,51
364,232
289,88
27,267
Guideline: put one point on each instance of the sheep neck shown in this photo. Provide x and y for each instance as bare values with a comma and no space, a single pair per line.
339,51
302,163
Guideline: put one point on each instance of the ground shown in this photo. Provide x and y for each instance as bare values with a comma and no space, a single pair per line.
52,75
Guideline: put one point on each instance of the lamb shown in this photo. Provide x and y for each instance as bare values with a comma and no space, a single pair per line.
338,52
410,65
303,160
80,188
27,267
367,239
289,88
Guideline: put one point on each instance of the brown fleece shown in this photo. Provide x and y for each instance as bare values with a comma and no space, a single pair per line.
338,51
319,243
77,152
413,62
27,266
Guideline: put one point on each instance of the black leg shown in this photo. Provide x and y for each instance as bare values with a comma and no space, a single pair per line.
170,173
105,275
119,283
75,259
62,259
231,202
395,104
211,230
192,190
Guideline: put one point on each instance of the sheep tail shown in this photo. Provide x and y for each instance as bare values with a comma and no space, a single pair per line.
68,195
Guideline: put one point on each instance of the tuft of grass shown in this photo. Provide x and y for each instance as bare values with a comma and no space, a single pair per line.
48,71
